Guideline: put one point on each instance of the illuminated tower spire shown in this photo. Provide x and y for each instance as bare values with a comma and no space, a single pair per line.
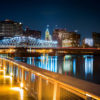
47,33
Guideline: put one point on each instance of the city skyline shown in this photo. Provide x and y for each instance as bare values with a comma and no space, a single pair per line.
73,15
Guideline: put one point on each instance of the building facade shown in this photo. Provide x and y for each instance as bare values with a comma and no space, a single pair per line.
10,28
33,33
57,35
66,39
96,39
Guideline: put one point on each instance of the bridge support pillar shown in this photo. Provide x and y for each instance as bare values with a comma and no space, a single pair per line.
0,64
22,76
18,80
4,64
29,84
56,92
11,69
40,88
29,77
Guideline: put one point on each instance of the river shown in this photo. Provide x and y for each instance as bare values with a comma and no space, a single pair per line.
85,67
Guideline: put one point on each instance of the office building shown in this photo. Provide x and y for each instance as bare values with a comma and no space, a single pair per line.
9,28
96,39
65,38
33,33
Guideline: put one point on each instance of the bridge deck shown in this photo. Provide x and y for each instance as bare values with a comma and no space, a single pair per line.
9,90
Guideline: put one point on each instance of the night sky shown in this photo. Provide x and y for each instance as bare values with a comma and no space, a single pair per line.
81,15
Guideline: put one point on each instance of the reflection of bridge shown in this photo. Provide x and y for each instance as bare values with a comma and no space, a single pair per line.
45,85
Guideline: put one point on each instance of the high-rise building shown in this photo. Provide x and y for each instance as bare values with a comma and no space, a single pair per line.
65,38
47,34
33,33
57,35
96,39
9,28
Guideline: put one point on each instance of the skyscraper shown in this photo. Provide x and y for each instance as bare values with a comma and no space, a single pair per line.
96,39
47,34
65,38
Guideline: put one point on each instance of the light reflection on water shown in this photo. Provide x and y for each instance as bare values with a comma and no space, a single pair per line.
80,66
44,62
88,66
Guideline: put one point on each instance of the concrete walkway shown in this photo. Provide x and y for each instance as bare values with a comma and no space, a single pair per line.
9,90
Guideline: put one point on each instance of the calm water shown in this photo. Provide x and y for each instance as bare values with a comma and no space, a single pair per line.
86,67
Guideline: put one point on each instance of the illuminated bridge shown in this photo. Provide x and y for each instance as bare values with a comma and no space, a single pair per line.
28,82
26,46
26,42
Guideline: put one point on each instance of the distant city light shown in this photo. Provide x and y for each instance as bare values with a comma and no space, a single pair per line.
76,31
88,41
20,23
